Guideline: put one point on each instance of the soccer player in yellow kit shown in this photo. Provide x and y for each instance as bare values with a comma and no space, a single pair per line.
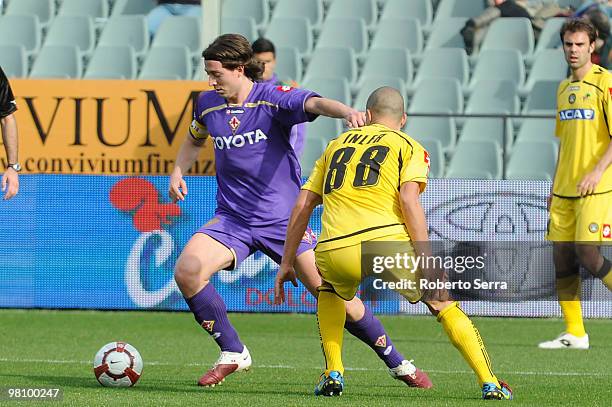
581,197
369,181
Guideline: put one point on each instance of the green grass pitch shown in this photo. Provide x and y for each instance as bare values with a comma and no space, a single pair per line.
56,348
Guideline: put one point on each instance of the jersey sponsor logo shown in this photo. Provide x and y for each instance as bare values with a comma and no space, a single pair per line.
593,227
606,232
234,123
573,88
285,88
208,325
426,157
234,111
576,114
381,342
239,140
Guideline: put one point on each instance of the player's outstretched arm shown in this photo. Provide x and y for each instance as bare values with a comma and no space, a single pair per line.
187,155
335,109
589,182
10,178
300,215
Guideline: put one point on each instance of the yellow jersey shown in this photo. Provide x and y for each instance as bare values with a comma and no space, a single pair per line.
358,177
584,120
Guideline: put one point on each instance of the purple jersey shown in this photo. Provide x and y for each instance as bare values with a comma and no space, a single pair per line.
298,132
258,173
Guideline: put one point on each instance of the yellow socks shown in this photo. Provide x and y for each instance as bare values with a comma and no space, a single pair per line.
568,289
465,337
331,315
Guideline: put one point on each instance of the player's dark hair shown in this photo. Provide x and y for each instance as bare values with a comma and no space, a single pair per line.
575,25
263,45
233,50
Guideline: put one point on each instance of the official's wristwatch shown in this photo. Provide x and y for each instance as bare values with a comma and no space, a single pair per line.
16,166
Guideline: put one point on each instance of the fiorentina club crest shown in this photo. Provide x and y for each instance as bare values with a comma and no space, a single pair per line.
234,123
208,325
381,342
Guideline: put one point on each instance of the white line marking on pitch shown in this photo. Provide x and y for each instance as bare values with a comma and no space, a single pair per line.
157,363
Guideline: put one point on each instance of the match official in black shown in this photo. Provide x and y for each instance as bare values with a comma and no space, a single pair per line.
10,178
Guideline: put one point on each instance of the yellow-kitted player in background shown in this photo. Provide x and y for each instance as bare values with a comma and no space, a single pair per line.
581,197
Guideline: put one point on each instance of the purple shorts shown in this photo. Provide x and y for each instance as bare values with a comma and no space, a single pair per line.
244,240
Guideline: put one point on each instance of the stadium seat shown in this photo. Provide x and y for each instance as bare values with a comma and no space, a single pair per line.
475,160
500,65
535,160
440,95
325,128
368,84
570,3
57,61
167,63
458,8
481,128
444,63
258,9
549,64
240,25
445,33
13,61
129,7
537,130
422,10
388,62
439,128
333,62
97,9
360,9
21,30
313,148
73,30
542,99
312,10
333,88
126,30
510,33
288,64
291,32
490,96
198,72
549,36
181,30
43,9
400,33
348,32
112,62
436,156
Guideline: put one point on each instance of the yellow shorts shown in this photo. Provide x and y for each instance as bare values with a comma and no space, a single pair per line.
587,219
341,270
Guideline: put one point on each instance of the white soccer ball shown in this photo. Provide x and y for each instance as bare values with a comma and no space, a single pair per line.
117,364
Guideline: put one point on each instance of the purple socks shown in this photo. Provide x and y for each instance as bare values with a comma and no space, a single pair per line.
210,312
370,331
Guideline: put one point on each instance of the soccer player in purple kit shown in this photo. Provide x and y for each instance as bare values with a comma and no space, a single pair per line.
258,179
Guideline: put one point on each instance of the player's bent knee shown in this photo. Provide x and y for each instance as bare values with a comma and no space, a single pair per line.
188,270
435,307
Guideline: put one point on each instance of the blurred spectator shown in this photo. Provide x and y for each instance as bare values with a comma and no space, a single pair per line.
597,13
167,8
265,52
475,28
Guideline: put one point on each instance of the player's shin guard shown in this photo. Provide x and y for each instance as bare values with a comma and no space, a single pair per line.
370,331
331,315
466,338
210,312
568,290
